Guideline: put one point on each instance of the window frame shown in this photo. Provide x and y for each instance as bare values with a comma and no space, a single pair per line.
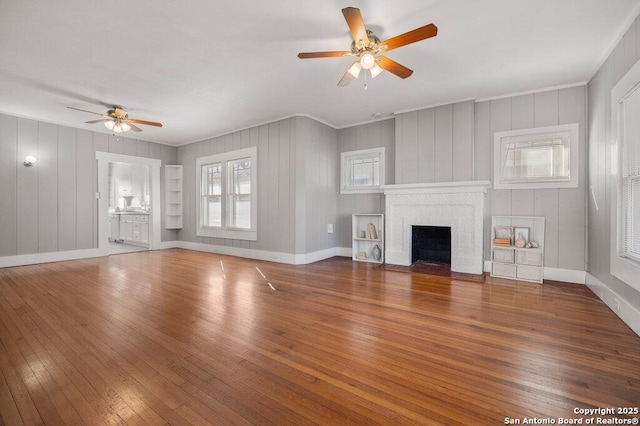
569,133
622,267
346,157
225,231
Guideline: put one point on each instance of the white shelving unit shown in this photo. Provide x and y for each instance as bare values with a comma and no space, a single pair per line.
362,244
526,264
173,196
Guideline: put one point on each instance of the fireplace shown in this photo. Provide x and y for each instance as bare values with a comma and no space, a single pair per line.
431,244
458,206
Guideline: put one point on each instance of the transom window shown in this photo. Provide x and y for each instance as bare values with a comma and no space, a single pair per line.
362,171
536,158
228,200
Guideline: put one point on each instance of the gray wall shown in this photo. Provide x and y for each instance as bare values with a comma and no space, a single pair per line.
564,209
296,166
454,142
435,144
52,206
372,135
317,176
624,56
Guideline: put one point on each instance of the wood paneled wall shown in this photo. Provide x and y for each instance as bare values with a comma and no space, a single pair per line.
372,135
564,209
454,142
296,171
435,144
52,206
623,57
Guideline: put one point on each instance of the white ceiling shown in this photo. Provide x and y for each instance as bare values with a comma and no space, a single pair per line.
205,68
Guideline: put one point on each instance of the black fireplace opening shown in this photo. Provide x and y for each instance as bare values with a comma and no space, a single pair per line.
431,244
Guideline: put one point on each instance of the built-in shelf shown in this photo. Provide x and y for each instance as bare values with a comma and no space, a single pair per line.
173,196
362,242
510,261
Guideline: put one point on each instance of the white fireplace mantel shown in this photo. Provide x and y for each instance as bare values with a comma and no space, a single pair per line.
458,205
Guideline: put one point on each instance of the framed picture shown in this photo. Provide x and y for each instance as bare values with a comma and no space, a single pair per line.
524,232
503,232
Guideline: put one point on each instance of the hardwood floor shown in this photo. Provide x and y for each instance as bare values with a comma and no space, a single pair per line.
183,337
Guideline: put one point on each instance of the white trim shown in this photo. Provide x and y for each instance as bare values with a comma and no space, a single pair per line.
224,231
104,158
344,251
623,309
346,156
533,91
556,274
270,256
361,123
263,123
631,18
438,188
404,111
564,275
502,139
55,256
167,245
622,268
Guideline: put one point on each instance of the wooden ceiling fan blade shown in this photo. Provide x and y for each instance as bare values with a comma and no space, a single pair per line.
356,25
147,123
90,112
418,34
393,67
346,79
133,127
334,54
101,120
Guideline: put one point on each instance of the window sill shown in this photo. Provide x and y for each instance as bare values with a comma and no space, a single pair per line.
229,234
361,190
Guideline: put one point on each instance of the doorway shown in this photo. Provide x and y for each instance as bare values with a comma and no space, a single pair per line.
128,203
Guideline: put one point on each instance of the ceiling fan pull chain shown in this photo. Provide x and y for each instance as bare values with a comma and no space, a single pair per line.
365,80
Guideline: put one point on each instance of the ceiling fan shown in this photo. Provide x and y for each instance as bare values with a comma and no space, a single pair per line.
367,47
117,119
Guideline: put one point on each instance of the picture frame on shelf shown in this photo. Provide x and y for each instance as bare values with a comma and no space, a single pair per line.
503,232
522,230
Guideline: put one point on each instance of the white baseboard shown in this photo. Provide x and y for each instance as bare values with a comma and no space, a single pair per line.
56,256
344,251
621,307
555,274
271,256
60,256
167,245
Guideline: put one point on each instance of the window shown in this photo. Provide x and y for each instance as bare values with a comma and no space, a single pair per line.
625,173
227,205
362,171
544,157
630,176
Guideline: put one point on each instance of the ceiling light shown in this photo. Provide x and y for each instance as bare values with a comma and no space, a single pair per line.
367,60
375,70
117,127
355,69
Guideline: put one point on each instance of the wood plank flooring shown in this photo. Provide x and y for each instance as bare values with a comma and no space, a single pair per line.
182,337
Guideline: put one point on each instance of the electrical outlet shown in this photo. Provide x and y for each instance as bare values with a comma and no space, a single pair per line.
330,228
616,305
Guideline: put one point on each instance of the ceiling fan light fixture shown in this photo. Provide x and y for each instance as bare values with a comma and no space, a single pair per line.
109,124
354,70
367,60
375,70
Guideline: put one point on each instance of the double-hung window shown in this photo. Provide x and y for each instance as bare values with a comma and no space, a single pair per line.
625,173
362,171
227,201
